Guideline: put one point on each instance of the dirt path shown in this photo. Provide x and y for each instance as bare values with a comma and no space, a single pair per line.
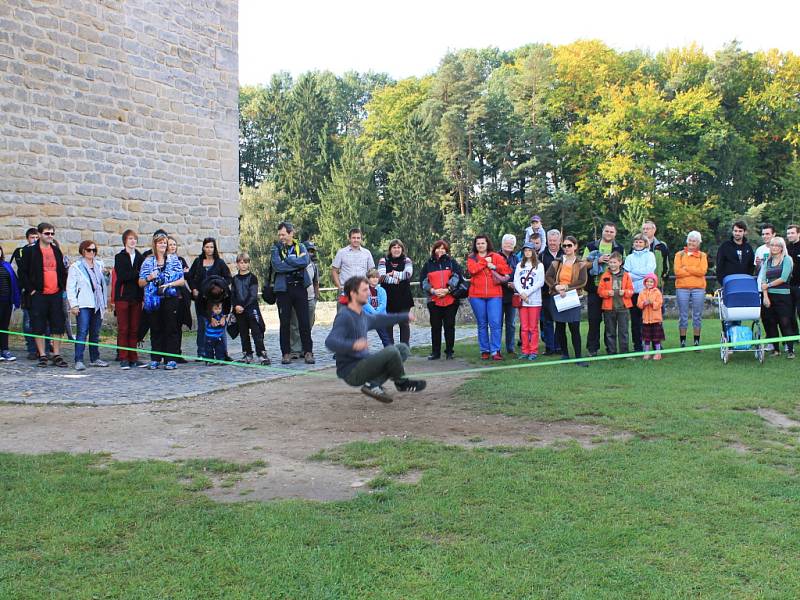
282,422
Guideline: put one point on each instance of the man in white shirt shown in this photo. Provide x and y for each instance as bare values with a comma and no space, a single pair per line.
762,252
351,261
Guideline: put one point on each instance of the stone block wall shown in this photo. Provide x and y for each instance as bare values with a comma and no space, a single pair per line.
118,114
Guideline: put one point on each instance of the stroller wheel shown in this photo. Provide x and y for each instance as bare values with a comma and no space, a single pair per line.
760,351
724,351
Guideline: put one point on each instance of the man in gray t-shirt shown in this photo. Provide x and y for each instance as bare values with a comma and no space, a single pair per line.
351,261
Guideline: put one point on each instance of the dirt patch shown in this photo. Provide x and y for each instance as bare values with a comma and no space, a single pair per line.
283,423
739,448
777,419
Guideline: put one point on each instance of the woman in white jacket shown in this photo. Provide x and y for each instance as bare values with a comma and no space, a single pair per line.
528,282
87,294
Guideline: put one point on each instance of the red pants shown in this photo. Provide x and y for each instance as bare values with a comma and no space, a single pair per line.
128,317
529,328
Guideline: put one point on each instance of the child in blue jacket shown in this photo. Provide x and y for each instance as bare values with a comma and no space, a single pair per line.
377,304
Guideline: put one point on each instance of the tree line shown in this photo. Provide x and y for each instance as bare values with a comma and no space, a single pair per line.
579,133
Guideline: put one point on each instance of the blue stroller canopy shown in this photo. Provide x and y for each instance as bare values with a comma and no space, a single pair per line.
740,291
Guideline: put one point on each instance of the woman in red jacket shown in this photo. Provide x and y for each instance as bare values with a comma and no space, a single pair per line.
440,277
488,272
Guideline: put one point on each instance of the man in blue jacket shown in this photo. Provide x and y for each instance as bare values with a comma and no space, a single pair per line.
289,261
348,340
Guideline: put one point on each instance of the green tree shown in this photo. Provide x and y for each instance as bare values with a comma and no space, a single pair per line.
348,199
310,149
260,215
415,190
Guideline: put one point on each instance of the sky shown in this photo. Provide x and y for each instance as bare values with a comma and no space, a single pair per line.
409,37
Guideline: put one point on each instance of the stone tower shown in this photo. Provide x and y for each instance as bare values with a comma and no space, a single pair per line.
119,114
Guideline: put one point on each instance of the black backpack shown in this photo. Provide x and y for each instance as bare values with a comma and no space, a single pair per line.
268,290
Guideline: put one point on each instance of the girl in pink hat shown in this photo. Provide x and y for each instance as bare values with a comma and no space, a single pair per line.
650,301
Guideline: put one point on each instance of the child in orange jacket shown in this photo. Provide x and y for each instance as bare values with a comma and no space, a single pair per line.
650,301
616,290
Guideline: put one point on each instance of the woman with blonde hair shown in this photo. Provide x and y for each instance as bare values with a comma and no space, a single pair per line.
777,310
691,266
161,275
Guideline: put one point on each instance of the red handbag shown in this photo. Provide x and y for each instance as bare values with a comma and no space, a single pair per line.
516,301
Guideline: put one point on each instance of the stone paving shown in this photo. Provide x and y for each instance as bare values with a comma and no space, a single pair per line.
23,382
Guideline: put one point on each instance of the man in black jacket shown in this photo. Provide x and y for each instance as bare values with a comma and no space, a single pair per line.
793,249
550,252
43,276
735,256
31,236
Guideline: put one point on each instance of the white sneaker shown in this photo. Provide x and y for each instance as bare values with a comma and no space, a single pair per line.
98,363
79,366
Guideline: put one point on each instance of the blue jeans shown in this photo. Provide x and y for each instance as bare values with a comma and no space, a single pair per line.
201,336
89,322
694,296
215,347
489,318
386,338
509,320
30,343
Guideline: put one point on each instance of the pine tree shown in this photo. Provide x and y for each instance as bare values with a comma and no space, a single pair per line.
415,190
348,200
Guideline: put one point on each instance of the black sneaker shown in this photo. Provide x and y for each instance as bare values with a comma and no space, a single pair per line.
434,356
376,392
410,385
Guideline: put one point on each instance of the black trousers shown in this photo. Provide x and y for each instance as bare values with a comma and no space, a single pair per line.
442,316
165,330
594,309
249,324
796,299
405,333
636,324
781,315
575,334
5,319
295,297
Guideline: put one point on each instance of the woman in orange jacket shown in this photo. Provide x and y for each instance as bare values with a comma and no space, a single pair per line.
488,272
691,266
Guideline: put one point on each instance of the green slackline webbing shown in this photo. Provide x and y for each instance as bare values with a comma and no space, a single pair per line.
521,365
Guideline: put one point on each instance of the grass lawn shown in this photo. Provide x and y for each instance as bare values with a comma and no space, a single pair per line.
673,512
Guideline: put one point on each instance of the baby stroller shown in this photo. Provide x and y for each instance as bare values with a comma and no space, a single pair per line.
740,300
